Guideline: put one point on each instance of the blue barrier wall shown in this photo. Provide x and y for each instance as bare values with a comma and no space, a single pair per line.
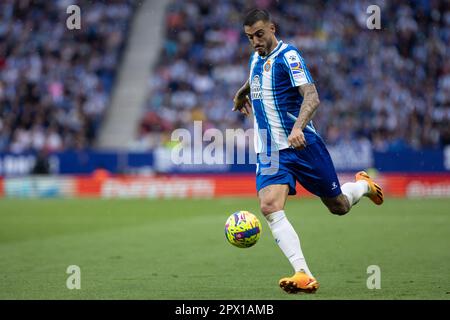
345,160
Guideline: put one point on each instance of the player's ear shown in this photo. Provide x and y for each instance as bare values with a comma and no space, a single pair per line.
272,27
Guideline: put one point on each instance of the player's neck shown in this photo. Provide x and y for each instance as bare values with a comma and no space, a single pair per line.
273,47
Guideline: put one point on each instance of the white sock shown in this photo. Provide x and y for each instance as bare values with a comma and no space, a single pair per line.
287,239
354,191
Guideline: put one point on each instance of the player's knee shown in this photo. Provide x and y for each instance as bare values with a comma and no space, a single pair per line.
271,206
339,209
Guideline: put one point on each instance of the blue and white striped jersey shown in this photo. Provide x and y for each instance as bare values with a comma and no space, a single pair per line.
274,95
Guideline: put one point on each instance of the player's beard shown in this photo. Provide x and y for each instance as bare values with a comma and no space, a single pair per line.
266,49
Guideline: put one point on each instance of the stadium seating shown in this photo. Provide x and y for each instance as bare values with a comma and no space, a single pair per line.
390,87
56,83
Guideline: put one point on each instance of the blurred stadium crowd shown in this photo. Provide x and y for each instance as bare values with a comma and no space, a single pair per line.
388,87
55,83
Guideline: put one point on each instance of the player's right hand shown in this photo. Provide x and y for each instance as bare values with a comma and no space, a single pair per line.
242,103
297,139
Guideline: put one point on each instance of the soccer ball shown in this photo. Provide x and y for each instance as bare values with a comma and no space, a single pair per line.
242,229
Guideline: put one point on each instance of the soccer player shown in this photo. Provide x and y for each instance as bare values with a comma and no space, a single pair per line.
281,93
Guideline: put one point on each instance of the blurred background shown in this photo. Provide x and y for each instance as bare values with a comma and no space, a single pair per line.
103,100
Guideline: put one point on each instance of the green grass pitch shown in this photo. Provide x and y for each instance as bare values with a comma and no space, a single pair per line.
176,249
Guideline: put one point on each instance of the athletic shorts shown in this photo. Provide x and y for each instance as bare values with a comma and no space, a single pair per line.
312,167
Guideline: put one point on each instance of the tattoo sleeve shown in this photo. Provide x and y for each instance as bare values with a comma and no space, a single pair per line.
309,105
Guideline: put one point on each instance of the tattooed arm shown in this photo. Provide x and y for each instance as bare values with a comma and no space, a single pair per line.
309,106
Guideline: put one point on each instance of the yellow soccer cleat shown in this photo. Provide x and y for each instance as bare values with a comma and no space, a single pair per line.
299,282
376,193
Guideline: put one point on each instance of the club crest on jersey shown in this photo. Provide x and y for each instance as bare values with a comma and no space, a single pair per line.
255,88
267,66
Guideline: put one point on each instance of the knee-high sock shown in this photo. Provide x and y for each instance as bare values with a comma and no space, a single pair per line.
287,239
354,191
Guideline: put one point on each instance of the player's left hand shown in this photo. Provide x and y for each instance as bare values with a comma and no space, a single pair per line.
297,139
242,103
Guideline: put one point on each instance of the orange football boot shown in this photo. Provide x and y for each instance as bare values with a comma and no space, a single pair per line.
299,282
375,192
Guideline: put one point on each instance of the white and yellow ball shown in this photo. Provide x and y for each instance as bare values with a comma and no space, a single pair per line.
242,229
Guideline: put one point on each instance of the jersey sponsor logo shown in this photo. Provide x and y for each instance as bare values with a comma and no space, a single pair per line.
292,56
256,88
296,67
295,64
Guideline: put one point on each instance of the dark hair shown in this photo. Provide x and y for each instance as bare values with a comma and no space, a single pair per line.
256,15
